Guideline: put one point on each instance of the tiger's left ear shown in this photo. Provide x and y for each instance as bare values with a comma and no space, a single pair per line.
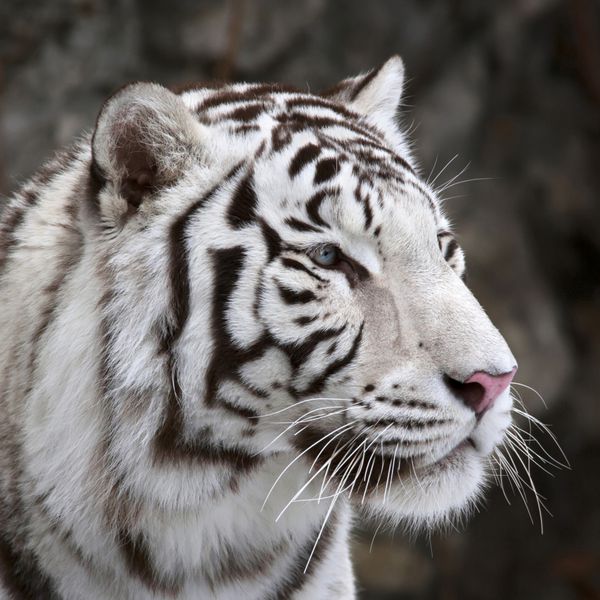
375,94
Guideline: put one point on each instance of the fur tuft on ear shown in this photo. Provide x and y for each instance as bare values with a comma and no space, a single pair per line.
144,138
375,94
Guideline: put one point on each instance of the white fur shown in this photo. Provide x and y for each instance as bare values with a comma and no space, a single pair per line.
418,320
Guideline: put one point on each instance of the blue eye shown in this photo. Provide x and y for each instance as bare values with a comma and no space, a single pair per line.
327,255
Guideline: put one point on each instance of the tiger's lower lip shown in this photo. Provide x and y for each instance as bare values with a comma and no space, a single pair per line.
466,443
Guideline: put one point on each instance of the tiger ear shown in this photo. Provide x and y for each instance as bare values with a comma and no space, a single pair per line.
144,138
375,94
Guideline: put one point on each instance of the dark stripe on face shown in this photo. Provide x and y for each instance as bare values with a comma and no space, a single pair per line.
327,169
140,564
319,382
227,266
363,200
300,225
303,157
248,112
242,208
451,249
300,352
290,263
290,296
272,240
313,101
255,92
296,577
368,213
303,121
172,447
305,320
313,205
244,129
240,411
281,136
170,444
179,268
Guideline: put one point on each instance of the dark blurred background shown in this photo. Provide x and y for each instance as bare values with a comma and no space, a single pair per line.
513,88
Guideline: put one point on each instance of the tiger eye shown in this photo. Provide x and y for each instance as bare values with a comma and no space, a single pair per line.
326,256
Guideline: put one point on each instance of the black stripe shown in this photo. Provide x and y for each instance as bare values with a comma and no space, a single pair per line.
171,447
326,169
227,266
290,296
281,137
303,157
241,411
303,121
318,383
229,96
248,112
296,577
300,352
313,205
368,212
315,102
272,240
301,225
451,249
140,564
291,263
242,208
179,267
305,320
243,129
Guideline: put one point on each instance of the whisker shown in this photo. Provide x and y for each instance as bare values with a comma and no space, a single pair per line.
316,474
299,456
441,170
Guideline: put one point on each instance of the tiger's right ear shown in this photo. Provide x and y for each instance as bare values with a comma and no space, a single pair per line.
145,137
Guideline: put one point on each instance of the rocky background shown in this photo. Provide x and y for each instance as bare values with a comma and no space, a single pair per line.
513,88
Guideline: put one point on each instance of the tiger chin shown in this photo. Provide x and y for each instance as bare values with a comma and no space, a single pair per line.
232,317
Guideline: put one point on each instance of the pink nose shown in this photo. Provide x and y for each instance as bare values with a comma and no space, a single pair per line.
481,389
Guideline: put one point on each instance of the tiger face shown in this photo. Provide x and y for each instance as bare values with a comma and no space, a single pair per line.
316,303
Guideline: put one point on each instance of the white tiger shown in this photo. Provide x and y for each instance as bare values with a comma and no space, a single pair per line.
230,318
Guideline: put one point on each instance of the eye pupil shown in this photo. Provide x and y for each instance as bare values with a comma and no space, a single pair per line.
327,255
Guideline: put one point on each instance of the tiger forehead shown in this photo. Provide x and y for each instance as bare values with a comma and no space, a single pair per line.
244,109
337,144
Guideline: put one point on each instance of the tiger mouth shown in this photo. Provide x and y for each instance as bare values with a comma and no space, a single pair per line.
451,457
365,470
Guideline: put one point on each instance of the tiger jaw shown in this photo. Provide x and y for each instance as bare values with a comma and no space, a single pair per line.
373,459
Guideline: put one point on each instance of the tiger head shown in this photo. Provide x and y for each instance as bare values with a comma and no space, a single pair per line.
315,299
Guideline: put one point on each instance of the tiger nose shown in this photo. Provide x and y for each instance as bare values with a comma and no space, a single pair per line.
481,389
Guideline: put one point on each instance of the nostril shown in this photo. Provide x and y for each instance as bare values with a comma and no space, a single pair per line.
471,393
481,389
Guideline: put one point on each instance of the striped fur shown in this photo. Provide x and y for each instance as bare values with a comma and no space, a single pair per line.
178,366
